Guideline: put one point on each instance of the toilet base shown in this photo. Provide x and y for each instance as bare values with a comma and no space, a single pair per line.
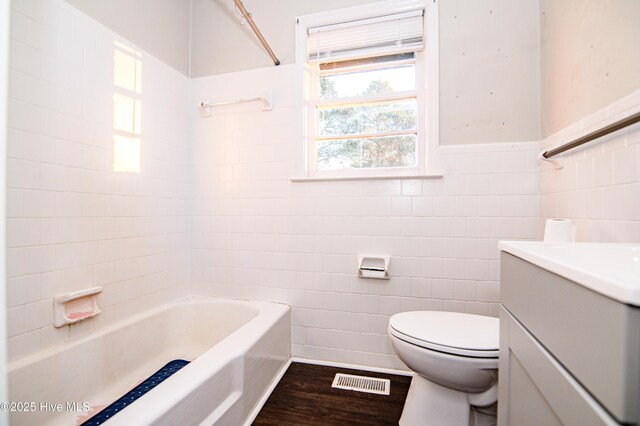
430,404
483,417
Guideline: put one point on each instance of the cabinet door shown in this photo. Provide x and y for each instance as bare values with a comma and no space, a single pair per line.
527,406
534,389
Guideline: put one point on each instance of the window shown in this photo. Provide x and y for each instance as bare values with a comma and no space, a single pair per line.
368,91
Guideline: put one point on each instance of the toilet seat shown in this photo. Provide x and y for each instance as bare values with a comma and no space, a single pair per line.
454,333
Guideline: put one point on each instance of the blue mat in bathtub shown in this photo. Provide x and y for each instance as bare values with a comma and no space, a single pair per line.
156,378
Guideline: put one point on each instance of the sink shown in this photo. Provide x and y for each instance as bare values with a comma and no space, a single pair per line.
612,270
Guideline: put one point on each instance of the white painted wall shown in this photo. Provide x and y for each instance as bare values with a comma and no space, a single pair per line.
489,71
221,44
72,222
489,58
489,53
161,27
590,57
5,13
257,235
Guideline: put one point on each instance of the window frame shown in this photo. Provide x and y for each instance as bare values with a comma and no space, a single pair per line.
426,93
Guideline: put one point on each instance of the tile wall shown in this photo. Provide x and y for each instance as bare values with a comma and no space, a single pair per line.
72,222
598,186
214,204
257,235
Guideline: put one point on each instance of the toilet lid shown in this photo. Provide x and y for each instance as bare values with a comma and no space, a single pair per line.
450,332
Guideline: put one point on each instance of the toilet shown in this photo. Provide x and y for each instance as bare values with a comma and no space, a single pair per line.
455,358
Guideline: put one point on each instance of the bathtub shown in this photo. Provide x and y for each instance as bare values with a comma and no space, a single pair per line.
236,348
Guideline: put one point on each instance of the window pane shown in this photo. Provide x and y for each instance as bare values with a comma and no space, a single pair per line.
381,117
387,151
369,82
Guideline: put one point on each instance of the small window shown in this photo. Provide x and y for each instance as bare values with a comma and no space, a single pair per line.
363,92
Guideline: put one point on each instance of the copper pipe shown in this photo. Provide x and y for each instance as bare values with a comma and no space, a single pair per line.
255,29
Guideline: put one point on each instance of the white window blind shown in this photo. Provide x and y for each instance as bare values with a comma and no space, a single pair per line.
394,33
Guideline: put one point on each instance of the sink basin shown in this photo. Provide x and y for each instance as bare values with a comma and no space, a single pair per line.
612,270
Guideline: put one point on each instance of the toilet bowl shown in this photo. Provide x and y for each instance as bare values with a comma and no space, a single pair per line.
455,358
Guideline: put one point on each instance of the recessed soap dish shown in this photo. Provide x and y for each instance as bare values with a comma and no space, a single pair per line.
76,306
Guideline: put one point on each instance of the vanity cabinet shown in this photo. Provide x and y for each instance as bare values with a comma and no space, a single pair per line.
568,355
534,389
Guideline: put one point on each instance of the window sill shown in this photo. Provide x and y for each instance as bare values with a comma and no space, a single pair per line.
383,177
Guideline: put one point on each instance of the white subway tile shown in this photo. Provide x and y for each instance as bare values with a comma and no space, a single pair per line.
23,232
455,185
16,321
464,290
23,174
23,345
454,268
411,187
401,206
477,269
626,165
488,291
25,58
18,26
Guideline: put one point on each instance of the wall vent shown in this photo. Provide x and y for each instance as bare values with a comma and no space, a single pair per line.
362,384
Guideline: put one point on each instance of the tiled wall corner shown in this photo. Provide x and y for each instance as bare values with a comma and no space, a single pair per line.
598,186
72,222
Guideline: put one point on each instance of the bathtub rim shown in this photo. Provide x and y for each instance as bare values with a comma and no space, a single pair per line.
145,411
57,349
228,350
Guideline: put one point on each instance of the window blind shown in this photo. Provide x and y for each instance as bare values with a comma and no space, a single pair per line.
395,33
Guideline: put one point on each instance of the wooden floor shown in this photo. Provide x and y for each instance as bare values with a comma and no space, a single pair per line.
304,396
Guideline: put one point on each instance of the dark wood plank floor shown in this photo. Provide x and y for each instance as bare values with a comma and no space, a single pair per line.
304,396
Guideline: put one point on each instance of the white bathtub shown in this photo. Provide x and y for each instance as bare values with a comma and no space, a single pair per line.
237,349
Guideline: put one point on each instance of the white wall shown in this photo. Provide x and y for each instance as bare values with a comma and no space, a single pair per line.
590,57
221,44
259,236
72,222
489,71
160,27
489,58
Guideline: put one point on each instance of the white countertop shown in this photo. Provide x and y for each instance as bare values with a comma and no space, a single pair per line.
609,269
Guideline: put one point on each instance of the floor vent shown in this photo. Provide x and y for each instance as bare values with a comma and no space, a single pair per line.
362,384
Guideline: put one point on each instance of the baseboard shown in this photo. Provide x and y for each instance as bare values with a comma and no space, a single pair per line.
354,366
267,394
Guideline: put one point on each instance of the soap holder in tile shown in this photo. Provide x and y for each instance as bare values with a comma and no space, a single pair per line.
76,306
